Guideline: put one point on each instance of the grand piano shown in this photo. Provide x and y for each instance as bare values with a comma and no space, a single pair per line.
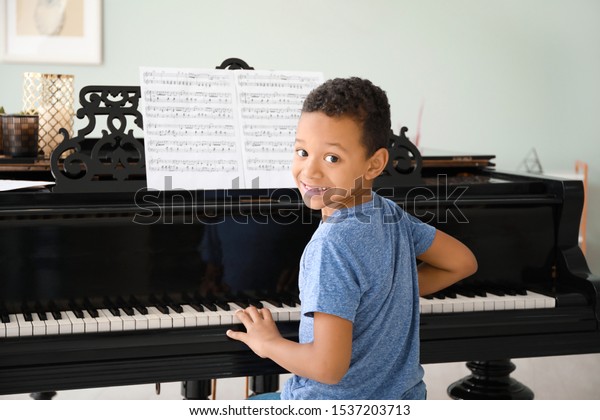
104,282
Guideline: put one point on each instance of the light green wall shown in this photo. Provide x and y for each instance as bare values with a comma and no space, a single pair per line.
495,77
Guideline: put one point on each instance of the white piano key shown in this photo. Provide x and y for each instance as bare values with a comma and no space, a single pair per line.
12,327
541,301
424,306
201,317
77,324
103,322
115,322
52,327
437,305
497,302
39,327
128,321
213,316
189,316
89,322
447,305
165,320
529,301
64,324
178,320
509,303
25,327
228,316
153,320
235,307
295,311
141,322
279,314
464,304
2,329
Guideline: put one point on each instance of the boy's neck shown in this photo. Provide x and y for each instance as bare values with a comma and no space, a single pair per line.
359,197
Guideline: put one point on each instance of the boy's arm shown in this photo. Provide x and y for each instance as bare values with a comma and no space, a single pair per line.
325,360
445,262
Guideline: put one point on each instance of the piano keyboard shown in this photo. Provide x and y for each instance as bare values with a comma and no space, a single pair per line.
471,300
129,318
123,316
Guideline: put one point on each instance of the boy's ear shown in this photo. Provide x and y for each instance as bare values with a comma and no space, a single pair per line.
377,163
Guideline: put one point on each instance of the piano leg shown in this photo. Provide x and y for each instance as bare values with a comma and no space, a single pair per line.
263,384
490,381
47,395
196,390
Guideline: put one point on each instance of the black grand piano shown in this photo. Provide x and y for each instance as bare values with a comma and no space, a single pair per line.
104,282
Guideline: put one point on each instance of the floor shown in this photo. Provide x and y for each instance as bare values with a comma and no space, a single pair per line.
550,378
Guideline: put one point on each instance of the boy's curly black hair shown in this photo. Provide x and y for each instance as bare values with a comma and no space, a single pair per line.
358,99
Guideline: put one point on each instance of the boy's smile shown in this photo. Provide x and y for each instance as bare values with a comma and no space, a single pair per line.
330,165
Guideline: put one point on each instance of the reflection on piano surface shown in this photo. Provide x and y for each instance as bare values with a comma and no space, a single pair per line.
92,296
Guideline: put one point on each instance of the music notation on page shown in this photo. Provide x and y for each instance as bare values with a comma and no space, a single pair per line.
221,121
184,146
193,165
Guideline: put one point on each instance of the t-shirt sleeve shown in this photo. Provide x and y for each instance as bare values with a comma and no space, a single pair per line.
329,283
422,234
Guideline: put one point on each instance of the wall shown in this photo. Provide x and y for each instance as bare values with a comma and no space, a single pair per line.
495,77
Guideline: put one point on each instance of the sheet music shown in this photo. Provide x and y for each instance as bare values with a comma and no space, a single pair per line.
270,105
217,129
14,184
190,128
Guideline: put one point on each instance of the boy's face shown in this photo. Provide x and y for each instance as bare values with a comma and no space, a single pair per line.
330,165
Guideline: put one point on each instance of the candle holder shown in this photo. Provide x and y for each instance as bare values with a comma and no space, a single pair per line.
20,135
51,96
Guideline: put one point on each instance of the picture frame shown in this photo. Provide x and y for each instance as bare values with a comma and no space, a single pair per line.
51,31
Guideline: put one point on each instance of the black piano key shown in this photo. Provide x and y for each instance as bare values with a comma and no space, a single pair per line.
90,308
40,311
223,305
477,290
210,306
497,291
4,315
464,291
158,304
255,302
193,302
112,308
289,299
54,310
162,308
26,312
167,301
277,303
138,306
521,291
75,309
241,303
124,306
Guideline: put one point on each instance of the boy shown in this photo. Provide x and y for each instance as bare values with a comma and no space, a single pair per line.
359,282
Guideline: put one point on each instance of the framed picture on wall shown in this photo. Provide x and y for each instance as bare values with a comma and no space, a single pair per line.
52,31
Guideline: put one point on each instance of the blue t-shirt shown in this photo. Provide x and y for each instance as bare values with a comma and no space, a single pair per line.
360,265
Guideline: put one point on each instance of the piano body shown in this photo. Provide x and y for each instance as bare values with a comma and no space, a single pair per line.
106,283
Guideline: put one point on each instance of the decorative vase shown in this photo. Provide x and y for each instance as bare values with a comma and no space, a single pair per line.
20,135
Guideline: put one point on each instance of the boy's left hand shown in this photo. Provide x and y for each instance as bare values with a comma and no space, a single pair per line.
261,331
